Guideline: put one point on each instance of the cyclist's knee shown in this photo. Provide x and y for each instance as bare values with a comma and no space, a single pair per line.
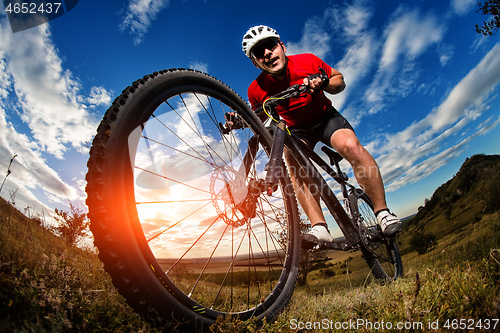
349,147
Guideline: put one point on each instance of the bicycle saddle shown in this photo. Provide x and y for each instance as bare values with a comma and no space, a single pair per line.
332,154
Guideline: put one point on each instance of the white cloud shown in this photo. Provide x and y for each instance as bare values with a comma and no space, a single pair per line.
199,66
29,170
479,40
47,94
406,38
99,96
472,88
4,78
41,111
140,14
314,40
462,7
445,54
347,25
355,65
404,176
351,26
410,34
357,18
465,103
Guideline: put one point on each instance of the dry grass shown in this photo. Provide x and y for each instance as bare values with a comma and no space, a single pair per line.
47,287
459,279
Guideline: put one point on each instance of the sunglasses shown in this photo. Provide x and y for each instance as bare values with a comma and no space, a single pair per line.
269,44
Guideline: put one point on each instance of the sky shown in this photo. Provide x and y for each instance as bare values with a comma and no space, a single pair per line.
422,85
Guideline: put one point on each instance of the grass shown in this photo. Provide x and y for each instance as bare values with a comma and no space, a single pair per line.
46,286
459,279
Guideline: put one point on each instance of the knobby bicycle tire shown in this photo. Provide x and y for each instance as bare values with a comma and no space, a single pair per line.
164,184
381,253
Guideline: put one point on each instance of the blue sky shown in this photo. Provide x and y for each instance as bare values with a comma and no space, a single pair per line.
422,85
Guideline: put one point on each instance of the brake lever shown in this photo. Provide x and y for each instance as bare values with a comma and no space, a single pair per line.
324,77
295,91
325,80
224,129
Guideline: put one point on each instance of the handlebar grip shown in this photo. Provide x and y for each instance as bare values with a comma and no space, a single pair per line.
314,76
322,75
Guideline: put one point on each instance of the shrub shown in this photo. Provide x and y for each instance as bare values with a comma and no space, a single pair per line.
422,242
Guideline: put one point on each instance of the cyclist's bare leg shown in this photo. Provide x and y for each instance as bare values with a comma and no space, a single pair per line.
365,168
306,195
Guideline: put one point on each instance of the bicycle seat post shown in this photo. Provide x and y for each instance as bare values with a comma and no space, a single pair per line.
335,159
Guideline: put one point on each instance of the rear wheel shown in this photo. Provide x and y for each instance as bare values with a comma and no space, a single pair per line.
176,209
380,252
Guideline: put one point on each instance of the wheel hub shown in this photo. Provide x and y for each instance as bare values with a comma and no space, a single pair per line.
233,199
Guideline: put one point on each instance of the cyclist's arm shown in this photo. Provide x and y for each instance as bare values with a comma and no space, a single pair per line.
335,85
234,120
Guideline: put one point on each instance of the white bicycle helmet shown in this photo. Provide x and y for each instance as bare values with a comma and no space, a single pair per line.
255,35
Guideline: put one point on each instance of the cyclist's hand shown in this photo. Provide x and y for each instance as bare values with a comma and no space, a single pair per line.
315,82
234,120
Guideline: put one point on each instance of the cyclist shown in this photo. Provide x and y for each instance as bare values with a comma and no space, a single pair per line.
313,118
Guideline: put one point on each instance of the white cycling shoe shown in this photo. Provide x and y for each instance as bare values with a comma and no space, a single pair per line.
389,223
318,234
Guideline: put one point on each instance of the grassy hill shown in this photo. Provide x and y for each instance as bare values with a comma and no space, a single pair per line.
47,287
473,192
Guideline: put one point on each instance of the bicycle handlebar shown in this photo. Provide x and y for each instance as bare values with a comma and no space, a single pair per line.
294,91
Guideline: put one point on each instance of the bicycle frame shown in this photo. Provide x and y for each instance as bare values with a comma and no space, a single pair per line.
305,157
188,248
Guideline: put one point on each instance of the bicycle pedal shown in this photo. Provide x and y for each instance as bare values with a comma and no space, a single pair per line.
307,243
341,246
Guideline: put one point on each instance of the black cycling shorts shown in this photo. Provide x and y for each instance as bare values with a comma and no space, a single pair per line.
322,131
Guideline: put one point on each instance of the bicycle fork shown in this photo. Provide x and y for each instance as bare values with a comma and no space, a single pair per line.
274,171
275,164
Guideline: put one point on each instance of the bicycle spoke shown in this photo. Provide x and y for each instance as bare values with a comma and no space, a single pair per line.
208,261
186,195
168,202
225,140
213,117
197,132
182,140
226,167
196,241
147,139
263,252
175,224
234,255
173,180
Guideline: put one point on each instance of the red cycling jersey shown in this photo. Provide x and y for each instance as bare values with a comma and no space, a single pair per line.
300,112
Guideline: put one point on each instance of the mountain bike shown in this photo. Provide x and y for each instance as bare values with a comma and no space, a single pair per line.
195,219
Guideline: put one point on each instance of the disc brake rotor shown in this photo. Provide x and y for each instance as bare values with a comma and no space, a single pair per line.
229,195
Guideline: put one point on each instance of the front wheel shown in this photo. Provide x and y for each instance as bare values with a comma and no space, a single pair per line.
381,253
174,209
